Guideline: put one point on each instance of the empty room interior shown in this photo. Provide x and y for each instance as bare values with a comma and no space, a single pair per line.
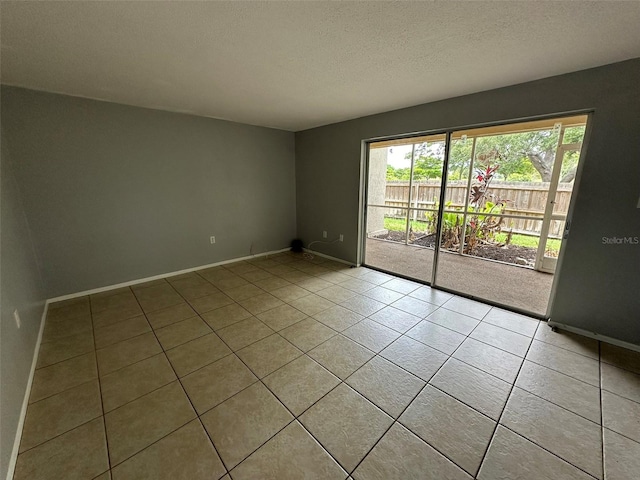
320,240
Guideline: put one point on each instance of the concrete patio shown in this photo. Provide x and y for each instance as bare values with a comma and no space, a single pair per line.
508,285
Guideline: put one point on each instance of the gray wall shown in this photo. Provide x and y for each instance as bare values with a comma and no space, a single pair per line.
115,193
21,289
598,284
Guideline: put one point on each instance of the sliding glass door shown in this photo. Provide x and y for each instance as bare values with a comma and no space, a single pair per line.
481,212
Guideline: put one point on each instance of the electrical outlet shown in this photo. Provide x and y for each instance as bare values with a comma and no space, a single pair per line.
324,234
341,237
212,239
16,316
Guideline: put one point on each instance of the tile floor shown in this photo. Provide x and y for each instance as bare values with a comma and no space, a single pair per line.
285,367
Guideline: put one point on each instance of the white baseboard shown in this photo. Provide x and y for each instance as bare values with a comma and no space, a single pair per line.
594,335
313,252
163,275
27,393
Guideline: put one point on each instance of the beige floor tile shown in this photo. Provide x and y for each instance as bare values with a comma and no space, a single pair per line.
479,390
289,293
272,283
117,332
135,380
401,455
338,318
138,424
336,293
244,333
61,376
372,276
127,352
224,316
568,341
512,457
244,422
181,332
341,355
371,334
197,353
195,289
268,354
210,302
397,320
300,383
256,275
74,307
467,307
346,424
291,454
169,315
501,338
307,334
431,295
360,286
230,282
105,476
311,304
564,361
415,357
414,306
313,284
621,382
186,454
78,454
158,297
213,384
571,437
363,305
453,321
499,363
401,286
261,303
60,413
386,385
55,330
620,357
568,392
334,277
241,267
621,457
65,348
451,427
512,321
380,294
111,299
621,415
243,292
436,336
117,314
281,317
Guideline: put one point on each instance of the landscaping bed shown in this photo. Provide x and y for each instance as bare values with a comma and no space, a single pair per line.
515,254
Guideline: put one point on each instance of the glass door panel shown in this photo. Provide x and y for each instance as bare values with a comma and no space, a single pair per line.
403,187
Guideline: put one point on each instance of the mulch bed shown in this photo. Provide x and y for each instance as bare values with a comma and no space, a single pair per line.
509,253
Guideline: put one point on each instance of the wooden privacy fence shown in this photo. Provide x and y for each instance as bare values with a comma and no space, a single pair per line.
521,198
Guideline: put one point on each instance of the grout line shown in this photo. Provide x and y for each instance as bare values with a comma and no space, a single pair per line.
104,419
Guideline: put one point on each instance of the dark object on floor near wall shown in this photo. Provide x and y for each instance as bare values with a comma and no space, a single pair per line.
296,245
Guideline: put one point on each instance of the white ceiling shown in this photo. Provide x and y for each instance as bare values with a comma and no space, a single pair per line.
296,65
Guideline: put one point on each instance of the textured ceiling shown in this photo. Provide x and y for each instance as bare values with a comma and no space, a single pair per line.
296,65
